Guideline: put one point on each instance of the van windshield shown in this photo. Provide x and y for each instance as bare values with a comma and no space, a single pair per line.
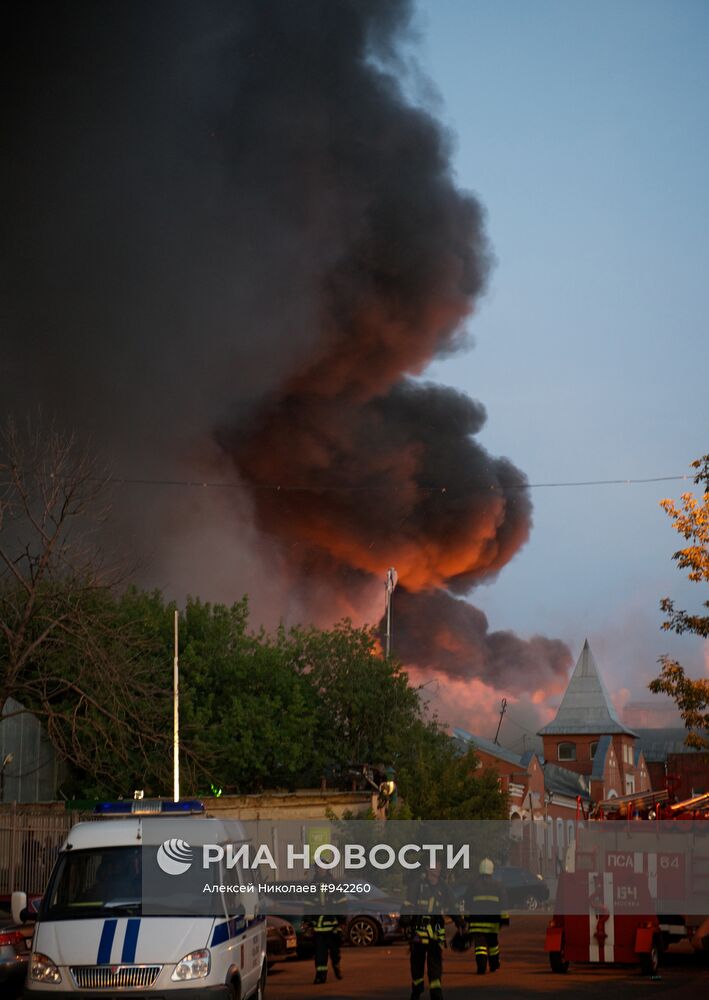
93,883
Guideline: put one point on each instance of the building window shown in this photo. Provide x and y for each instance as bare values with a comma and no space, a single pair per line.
566,751
592,749
630,785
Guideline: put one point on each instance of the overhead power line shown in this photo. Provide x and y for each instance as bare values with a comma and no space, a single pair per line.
384,488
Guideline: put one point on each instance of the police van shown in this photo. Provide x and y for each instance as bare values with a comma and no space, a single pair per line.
93,939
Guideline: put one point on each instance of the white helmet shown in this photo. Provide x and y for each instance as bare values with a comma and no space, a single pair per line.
486,867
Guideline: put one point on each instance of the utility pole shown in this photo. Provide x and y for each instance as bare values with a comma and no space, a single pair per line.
503,709
389,585
176,714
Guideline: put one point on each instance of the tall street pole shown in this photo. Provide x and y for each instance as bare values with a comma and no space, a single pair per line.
388,632
176,716
389,584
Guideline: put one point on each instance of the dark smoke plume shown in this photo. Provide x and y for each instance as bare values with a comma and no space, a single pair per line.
436,630
397,479
234,242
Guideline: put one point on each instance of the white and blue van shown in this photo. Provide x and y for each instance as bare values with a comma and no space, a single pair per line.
92,939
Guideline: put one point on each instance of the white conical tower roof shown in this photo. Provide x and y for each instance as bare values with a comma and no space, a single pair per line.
586,706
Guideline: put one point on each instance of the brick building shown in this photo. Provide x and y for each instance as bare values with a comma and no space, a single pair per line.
543,801
588,756
672,764
587,737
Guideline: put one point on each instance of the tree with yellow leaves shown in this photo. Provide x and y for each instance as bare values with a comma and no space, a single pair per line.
690,518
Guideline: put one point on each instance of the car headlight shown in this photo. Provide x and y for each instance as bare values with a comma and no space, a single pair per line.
43,969
196,965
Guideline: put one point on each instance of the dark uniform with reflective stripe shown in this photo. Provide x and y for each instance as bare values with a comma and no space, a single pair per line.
328,936
428,937
483,924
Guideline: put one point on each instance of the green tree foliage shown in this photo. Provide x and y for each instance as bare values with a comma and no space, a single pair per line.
690,518
256,711
365,702
249,718
68,651
436,781
368,713
102,700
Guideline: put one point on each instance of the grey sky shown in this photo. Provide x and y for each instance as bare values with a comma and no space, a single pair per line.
584,130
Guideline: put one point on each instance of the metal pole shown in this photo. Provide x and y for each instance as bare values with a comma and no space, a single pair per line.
388,635
176,716
503,709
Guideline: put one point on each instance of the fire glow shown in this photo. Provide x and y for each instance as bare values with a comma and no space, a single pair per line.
378,468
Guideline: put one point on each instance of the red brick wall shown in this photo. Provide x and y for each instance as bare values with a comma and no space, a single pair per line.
692,770
531,779
614,778
583,763
656,770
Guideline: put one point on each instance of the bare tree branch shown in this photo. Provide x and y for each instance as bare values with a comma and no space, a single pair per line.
66,654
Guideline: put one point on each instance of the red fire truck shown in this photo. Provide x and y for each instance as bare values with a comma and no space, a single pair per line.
606,918
605,908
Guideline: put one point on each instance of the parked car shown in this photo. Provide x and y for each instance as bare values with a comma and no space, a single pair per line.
281,940
362,930
15,949
524,890
376,922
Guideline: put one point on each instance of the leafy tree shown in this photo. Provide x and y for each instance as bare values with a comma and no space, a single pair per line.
256,712
104,702
247,717
437,782
369,713
366,705
691,520
67,652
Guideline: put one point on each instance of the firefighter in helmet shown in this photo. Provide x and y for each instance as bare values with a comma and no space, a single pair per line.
483,924
429,903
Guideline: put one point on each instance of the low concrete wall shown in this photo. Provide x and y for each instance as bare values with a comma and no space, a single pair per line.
303,804
289,805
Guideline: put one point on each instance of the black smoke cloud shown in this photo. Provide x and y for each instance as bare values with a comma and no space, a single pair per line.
231,244
435,630
398,478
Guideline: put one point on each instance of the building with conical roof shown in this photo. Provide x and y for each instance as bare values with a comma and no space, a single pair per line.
587,737
589,756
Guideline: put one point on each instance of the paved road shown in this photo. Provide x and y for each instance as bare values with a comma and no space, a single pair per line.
383,972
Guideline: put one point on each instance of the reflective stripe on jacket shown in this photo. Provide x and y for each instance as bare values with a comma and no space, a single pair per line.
325,924
487,909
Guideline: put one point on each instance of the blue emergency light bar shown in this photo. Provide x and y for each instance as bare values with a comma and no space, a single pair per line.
150,807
